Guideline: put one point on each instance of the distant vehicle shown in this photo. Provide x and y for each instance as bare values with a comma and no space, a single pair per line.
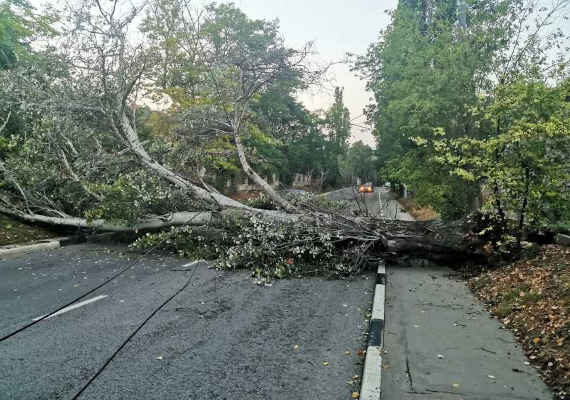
366,188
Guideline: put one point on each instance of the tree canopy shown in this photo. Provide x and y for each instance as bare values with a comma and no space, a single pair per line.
451,83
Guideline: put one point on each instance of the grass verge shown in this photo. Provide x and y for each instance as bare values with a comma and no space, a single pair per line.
532,299
419,213
14,232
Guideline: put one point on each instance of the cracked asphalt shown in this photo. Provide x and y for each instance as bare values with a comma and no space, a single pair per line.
224,337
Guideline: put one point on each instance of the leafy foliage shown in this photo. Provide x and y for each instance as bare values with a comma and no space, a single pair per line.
270,249
359,161
19,25
465,108
525,166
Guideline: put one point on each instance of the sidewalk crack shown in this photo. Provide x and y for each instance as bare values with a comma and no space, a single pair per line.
409,373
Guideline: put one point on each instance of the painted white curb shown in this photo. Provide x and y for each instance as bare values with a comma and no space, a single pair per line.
371,388
378,307
372,375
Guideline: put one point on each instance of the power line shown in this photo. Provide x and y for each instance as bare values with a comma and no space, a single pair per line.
121,272
128,339
29,325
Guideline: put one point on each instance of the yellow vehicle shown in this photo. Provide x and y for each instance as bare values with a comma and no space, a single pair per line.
366,188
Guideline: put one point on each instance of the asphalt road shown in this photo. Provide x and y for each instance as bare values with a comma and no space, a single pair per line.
224,337
380,203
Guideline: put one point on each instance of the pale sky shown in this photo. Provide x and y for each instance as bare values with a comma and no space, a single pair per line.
336,27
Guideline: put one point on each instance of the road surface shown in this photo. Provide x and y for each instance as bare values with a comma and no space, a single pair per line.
380,203
224,337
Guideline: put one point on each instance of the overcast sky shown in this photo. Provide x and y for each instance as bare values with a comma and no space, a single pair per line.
336,27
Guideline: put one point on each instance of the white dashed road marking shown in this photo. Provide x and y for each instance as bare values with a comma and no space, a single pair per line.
73,307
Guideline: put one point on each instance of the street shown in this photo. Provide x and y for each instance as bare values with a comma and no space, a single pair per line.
381,203
224,337
227,337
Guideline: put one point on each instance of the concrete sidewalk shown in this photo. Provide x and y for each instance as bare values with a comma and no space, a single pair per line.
440,343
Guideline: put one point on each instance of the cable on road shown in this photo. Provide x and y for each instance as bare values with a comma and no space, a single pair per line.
128,339
112,278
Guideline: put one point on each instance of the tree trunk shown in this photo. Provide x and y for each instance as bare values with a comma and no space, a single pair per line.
432,240
177,180
156,222
258,179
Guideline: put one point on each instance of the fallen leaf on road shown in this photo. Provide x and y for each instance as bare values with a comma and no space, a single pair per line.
296,347
347,352
455,385
325,363
159,358
491,377
440,356
355,395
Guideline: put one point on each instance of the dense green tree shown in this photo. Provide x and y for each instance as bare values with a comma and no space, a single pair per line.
14,33
429,75
524,168
337,125
20,24
358,162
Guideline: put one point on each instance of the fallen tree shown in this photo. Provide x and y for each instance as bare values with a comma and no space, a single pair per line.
81,161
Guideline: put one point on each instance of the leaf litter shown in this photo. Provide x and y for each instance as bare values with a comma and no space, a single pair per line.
531,297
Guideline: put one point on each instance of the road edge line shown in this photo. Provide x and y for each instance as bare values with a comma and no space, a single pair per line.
371,388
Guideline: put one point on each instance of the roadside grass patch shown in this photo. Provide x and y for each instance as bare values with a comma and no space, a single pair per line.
531,297
13,231
418,212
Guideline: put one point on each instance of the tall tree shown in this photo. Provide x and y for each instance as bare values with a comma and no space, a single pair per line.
337,123
428,82
358,162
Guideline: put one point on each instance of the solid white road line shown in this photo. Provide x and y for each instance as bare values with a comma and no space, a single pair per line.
73,307
372,376
378,306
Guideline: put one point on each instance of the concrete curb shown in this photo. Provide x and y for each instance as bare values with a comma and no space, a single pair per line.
48,244
371,388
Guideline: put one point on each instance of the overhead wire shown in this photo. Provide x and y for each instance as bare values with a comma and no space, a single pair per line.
128,339
107,281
